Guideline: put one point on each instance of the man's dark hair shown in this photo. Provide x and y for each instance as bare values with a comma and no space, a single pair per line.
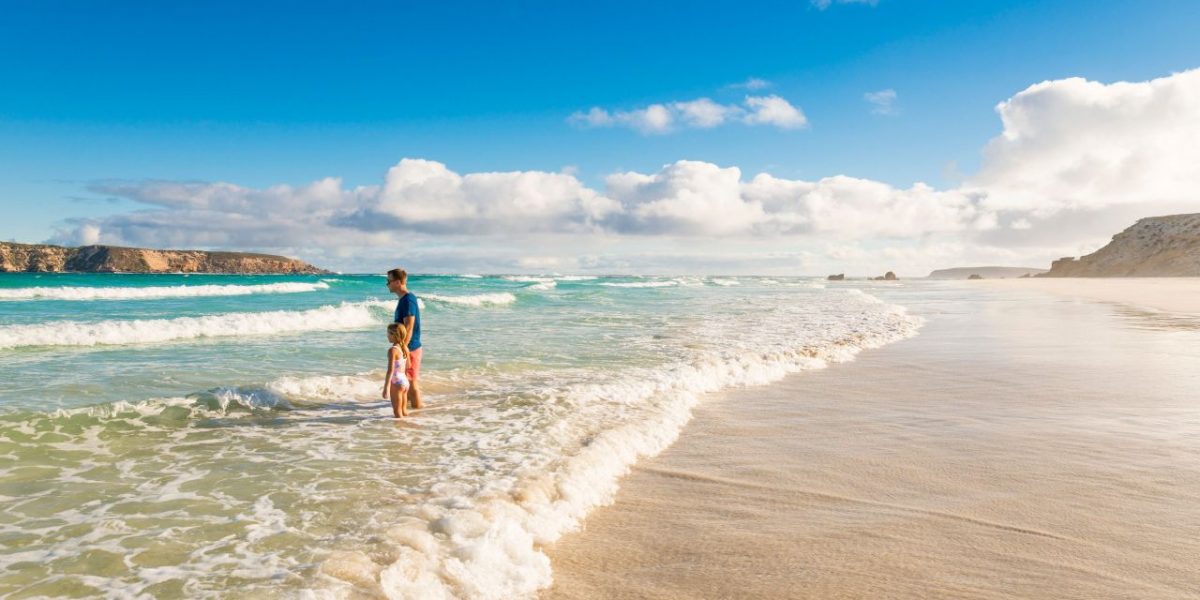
398,275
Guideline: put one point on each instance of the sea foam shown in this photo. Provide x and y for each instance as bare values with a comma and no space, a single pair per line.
497,299
506,459
350,315
487,543
639,284
144,293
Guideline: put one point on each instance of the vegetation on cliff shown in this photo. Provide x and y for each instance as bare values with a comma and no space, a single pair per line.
1153,247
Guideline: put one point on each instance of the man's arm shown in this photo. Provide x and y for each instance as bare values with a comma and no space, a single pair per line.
409,322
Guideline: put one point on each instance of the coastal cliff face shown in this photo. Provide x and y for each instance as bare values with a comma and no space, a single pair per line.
1153,247
114,259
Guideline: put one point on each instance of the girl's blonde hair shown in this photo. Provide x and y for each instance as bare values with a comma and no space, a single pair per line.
398,331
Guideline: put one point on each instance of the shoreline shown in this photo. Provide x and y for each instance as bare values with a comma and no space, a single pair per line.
982,458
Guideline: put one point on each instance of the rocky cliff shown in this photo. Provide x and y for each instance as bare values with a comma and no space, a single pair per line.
114,259
1153,247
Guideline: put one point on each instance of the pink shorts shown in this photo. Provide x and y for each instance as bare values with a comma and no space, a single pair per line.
414,364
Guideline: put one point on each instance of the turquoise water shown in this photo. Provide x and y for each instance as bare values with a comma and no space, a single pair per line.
224,436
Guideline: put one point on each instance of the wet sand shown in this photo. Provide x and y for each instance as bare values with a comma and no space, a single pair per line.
1024,445
1168,294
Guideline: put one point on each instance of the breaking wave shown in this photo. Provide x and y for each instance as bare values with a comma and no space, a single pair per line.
498,299
487,543
640,284
144,293
356,315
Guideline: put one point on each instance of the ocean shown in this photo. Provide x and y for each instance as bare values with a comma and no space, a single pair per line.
224,436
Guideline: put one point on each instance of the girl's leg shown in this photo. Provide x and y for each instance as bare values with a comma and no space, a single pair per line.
399,399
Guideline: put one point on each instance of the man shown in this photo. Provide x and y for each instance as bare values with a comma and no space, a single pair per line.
408,313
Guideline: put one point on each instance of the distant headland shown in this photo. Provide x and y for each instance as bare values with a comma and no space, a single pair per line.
44,258
985,272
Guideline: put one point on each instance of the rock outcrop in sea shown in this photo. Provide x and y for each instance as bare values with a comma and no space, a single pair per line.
115,259
1153,247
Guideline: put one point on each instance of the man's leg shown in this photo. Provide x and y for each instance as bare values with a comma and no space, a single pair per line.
414,373
414,395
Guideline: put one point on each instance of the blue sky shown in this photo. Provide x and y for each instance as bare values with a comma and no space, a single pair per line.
290,92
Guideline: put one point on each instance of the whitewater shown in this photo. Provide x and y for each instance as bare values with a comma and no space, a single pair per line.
178,291
220,446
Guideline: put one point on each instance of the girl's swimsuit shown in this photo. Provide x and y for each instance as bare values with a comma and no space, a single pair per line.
398,367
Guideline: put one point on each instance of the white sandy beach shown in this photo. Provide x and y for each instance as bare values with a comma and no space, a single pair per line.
1019,447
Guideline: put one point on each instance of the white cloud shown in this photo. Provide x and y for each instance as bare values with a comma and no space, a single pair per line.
417,196
704,113
855,208
1074,144
426,195
656,118
687,197
883,102
753,84
594,117
773,110
701,113
88,234
1076,162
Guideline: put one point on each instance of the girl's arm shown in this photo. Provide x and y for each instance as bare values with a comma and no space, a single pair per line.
391,367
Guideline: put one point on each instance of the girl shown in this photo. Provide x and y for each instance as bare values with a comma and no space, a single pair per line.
395,385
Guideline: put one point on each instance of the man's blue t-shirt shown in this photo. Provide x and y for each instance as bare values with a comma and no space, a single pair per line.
408,307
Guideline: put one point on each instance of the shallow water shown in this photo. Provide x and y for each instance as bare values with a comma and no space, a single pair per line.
223,436
1024,445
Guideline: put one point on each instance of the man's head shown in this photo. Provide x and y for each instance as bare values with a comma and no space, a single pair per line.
397,279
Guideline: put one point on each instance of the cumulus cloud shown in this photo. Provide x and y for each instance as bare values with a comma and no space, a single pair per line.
1076,162
416,196
427,196
688,197
882,102
704,113
1079,144
773,110
699,198
850,207
701,113
685,198
656,118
